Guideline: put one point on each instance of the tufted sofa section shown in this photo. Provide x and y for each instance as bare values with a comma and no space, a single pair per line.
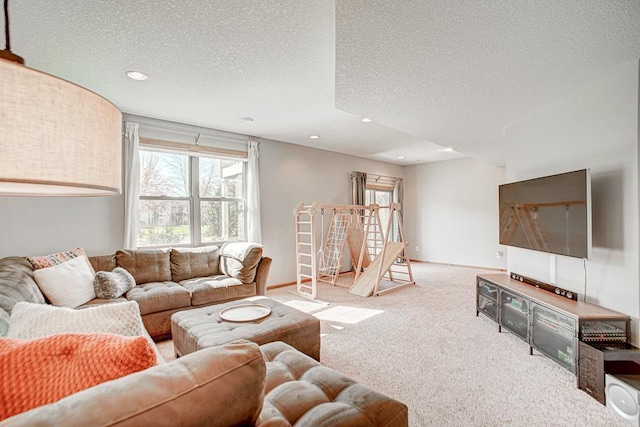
301,391
167,280
176,279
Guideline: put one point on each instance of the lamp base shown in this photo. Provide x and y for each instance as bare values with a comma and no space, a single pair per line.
10,56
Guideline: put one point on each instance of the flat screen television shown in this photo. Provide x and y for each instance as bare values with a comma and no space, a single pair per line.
548,214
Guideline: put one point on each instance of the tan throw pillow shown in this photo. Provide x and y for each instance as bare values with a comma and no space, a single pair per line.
114,284
69,284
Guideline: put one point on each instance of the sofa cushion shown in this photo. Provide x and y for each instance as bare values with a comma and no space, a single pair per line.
16,284
210,290
45,370
240,260
218,386
146,266
39,320
113,284
322,396
187,263
159,296
103,262
68,284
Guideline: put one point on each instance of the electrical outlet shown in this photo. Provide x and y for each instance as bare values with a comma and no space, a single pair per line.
417,248
499,254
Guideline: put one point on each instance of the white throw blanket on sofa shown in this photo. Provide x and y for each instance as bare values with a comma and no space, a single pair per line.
31,321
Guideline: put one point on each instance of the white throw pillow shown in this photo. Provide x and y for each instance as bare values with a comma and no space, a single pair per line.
31,321
69,284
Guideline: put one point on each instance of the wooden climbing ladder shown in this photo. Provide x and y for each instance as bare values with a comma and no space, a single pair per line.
305,250
313,265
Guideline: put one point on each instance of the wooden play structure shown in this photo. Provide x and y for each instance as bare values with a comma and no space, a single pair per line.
374,255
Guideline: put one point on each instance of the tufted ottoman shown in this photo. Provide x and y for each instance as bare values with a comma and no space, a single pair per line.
193,330
300,391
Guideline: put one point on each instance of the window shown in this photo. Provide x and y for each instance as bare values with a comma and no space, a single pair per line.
382,198
383,191
190,200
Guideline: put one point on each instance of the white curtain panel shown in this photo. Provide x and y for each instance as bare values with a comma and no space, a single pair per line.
254,227
131,185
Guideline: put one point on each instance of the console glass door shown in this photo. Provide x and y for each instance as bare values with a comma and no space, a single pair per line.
488,299
554,334
514,314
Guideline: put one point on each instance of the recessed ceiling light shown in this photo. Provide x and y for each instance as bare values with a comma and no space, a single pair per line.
365,120
313,137
401,157
246,120
448,150
137,75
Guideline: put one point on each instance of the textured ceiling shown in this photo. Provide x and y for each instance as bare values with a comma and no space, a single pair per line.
430,74
460,72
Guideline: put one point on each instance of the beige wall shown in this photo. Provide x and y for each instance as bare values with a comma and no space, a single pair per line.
42,225
454,212
292,174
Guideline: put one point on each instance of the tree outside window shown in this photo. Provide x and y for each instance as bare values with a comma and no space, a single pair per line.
174,212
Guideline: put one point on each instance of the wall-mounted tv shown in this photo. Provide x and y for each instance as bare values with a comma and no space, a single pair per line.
549,214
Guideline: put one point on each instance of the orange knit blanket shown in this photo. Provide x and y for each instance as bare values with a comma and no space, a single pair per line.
41,371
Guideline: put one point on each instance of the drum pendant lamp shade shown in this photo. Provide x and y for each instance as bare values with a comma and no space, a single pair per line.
56,138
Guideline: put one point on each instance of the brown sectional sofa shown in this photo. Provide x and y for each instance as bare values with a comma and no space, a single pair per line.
167,280
232,385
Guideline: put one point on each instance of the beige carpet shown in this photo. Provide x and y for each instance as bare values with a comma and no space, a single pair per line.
424,346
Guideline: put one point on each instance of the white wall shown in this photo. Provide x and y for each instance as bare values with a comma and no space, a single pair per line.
42,225
597,128
291,174
452,212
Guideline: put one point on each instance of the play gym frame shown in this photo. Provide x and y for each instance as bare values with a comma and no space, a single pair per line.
374,253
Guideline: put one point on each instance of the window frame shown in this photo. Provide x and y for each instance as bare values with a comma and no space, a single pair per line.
371,193
194,199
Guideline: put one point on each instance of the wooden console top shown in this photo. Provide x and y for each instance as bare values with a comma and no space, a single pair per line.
581,309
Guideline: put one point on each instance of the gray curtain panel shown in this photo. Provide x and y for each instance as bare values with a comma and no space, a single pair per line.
358,188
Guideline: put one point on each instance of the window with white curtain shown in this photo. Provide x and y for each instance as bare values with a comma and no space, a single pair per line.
191,199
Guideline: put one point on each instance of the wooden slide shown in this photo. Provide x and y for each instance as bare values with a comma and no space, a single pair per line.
370,278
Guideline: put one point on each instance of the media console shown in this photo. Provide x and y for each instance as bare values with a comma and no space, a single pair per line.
550,323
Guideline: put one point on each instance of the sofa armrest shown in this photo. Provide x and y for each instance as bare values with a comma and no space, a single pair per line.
240,260
262,273
217,386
